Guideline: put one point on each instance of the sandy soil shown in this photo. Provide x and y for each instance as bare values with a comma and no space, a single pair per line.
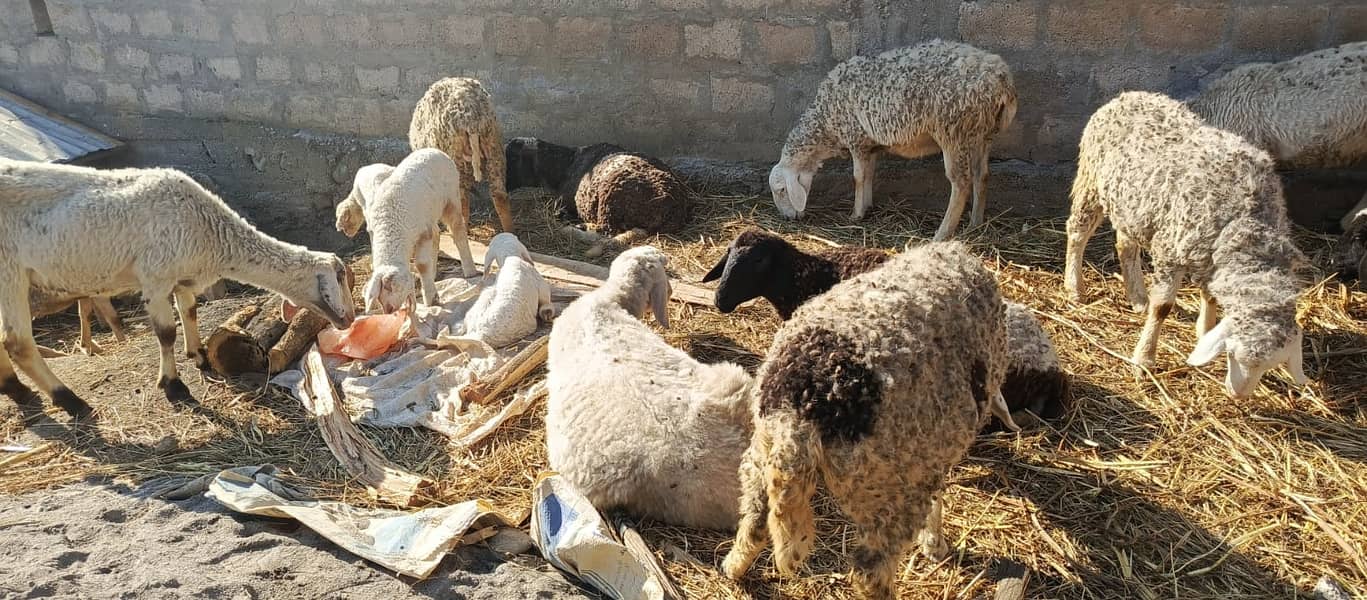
110,541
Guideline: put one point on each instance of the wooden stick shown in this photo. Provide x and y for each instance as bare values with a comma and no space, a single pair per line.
636,545
25,456
483,391
1012,578
231,348
302,331
353,450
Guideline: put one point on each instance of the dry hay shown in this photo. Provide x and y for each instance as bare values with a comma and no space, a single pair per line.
1153,487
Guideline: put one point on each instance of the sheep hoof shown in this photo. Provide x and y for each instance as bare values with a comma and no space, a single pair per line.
1139,307
936,550
733,566
91,349
17,391
72,404
175,390
201,359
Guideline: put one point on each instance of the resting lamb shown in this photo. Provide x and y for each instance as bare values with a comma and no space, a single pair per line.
855,391
635,423
1206,205
88,232
934,97
456,115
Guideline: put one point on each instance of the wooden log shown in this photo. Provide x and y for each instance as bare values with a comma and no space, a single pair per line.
1012,578
485,389
357,455
302,332
231,348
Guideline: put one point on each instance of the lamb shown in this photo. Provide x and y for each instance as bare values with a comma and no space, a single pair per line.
1309,111
402,206
456,115
615,191
510,309
854,389
936,96
635,423
1207,205
43,303
760,264
86,232
501,247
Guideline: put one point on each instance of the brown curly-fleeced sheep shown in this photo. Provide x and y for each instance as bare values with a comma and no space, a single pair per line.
938,96
627,191
456,115
878,386
1207,206
1309,111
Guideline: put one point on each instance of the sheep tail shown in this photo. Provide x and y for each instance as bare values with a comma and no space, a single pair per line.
476,156
790,472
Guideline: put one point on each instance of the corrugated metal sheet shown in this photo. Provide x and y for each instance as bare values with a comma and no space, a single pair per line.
30,132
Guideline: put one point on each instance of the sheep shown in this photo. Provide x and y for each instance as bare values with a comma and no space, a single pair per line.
1207,205
1350,257
1309,111
855,389
456,115
88,232
936,96
500,248
761,264
510,309
615,191
46,302
635,423
402,206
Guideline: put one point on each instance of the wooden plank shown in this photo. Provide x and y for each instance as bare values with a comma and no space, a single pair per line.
574,271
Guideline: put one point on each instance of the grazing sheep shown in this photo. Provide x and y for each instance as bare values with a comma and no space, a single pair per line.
635,423
456,115
1207,205
761,264
89,232
934,97
615,191
402,207
856,390
46,302
1309,111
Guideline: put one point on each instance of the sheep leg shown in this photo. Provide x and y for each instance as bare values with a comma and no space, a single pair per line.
865,165
1161,300
884,529
1207,319
959,170
790,478
16,336
975,219
1131,271
105,309
1082,223
425,255
498,190
462,239
88,345
930,538
752,535
189,320
164,324
10,384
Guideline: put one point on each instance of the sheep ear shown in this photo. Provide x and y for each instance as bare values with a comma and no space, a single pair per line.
797,195
287,310
1210,345
659,302
718,270
349,280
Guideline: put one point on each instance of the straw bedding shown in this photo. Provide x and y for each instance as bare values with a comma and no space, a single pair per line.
1156,487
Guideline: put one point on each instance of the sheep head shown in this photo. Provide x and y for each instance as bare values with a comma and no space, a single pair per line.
388,289
330,296
1245,367
744,272
350,217
790,185
641,273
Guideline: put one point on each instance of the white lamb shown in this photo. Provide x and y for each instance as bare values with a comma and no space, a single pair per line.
510,309
88,232
500,248
403,210
635,423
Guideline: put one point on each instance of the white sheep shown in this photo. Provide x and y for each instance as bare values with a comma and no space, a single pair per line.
456,115
1207,206
499,249
46,302
635,423
351,210
937,96
87,232
1308,111
403,208
878,387
510,309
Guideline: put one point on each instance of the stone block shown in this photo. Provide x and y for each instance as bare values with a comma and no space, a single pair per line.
79,93
463,31
46,52
842,40
1182,28
719,40
204,103
299,30
132,58
999,23
406,30
752,4
226,68
731,95
201,25
323,73
306,111
250,28
383,79
252,105
112,22
121,95
178,65
69,19
1278,29
1113,78
1057,137
681,5
582,36
1349,24
164,98
87,57
352,30
153,23
786,44
520,36
272,68
650,39
1087,26
674,93
9,54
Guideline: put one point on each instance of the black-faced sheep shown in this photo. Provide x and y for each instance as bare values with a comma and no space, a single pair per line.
1207,206
938,96
87,232
857,390
456,115
635,423
760,264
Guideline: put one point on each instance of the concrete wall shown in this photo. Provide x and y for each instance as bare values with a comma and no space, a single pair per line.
723,78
